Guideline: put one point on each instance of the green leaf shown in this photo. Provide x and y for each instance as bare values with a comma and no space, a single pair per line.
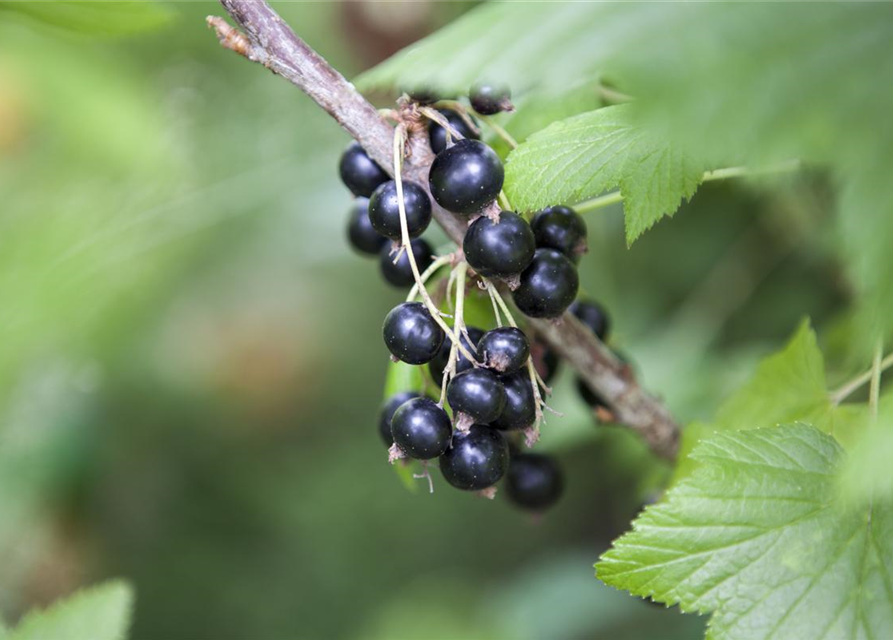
589,154
95,17
758,537
98,613
402,377
866,475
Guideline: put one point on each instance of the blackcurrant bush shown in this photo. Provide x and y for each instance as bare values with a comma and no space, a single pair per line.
476,459
499,249
545,360
593,315
360,233
438,135
399,274
384,210
490,98
520,405
548,286
359,172
562,229
466,177
387,412
589,396
421,429
534,481
440,361
504,350
478,393
411,334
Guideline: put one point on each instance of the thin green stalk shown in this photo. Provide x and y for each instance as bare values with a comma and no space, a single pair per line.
859,381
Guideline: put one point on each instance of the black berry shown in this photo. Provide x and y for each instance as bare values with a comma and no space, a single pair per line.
562,229
589,396
387,412
504,350
422,94
545,360
499,249
438,135
534,481
478,393
384,209
466,177
411,334
421,429
476,459
360,233
593,315
488,98
548,286
520,405
359,172
399,274
440,361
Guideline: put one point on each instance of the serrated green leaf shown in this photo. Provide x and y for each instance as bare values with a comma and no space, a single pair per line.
95,17
758,537
586,155
98,613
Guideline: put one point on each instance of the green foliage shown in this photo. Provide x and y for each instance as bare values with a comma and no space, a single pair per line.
402,377
95,17
866,475
98,613
757,537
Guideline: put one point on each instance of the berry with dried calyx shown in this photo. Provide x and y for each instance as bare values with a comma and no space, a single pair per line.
505,350
438,135
359,172
548,286
501,248
387,412
476,459
400,273
560,228
489,98
421,429
384,210
466,177
411,334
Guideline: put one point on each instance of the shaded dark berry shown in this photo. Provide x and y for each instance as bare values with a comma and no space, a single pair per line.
360,233
520,405
490,98
438,135
384,210
421,429
478,393
411,334
548,286
422,94
440,361
499,249
504,350
590,397
545,360
593,315
387,412
562,229
400,274
466,177
359,172
476,459
534,481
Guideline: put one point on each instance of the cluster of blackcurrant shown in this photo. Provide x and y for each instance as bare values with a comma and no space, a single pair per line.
491,382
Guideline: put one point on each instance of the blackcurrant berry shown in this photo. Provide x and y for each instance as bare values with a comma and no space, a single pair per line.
489,98
399,274
422,94
440,361
478,393
476,459
384,210
589,396
359,172
387,412
562,229
545,360
466,177
520,405
548,286
360,233
499,249
438,135
504,350
593,315
534,481
411,334
421,429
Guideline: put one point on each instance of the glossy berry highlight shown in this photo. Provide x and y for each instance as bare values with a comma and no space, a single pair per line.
560,228
399,274
359,172
504,350
437,135
534,481
488,98
477,393
548,286
411,334
499,249
388,409
466,177
476,459
384,210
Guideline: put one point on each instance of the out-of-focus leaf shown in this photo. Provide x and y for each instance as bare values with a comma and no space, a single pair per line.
866,475
95,17
402,377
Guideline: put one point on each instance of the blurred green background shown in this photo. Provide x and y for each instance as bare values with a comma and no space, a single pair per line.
191,363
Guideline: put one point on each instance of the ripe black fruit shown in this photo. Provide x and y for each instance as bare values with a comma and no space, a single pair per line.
478,393
560,228
499,249
589,396
466,177
360,233
438,135
421,429
400,274
477,459
359,172
548,286
440,361
411,334
387,412
488,99
520,405
593,315
504,350
534,481
545,360
384,209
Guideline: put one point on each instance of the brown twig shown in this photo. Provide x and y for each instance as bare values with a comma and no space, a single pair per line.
266,39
